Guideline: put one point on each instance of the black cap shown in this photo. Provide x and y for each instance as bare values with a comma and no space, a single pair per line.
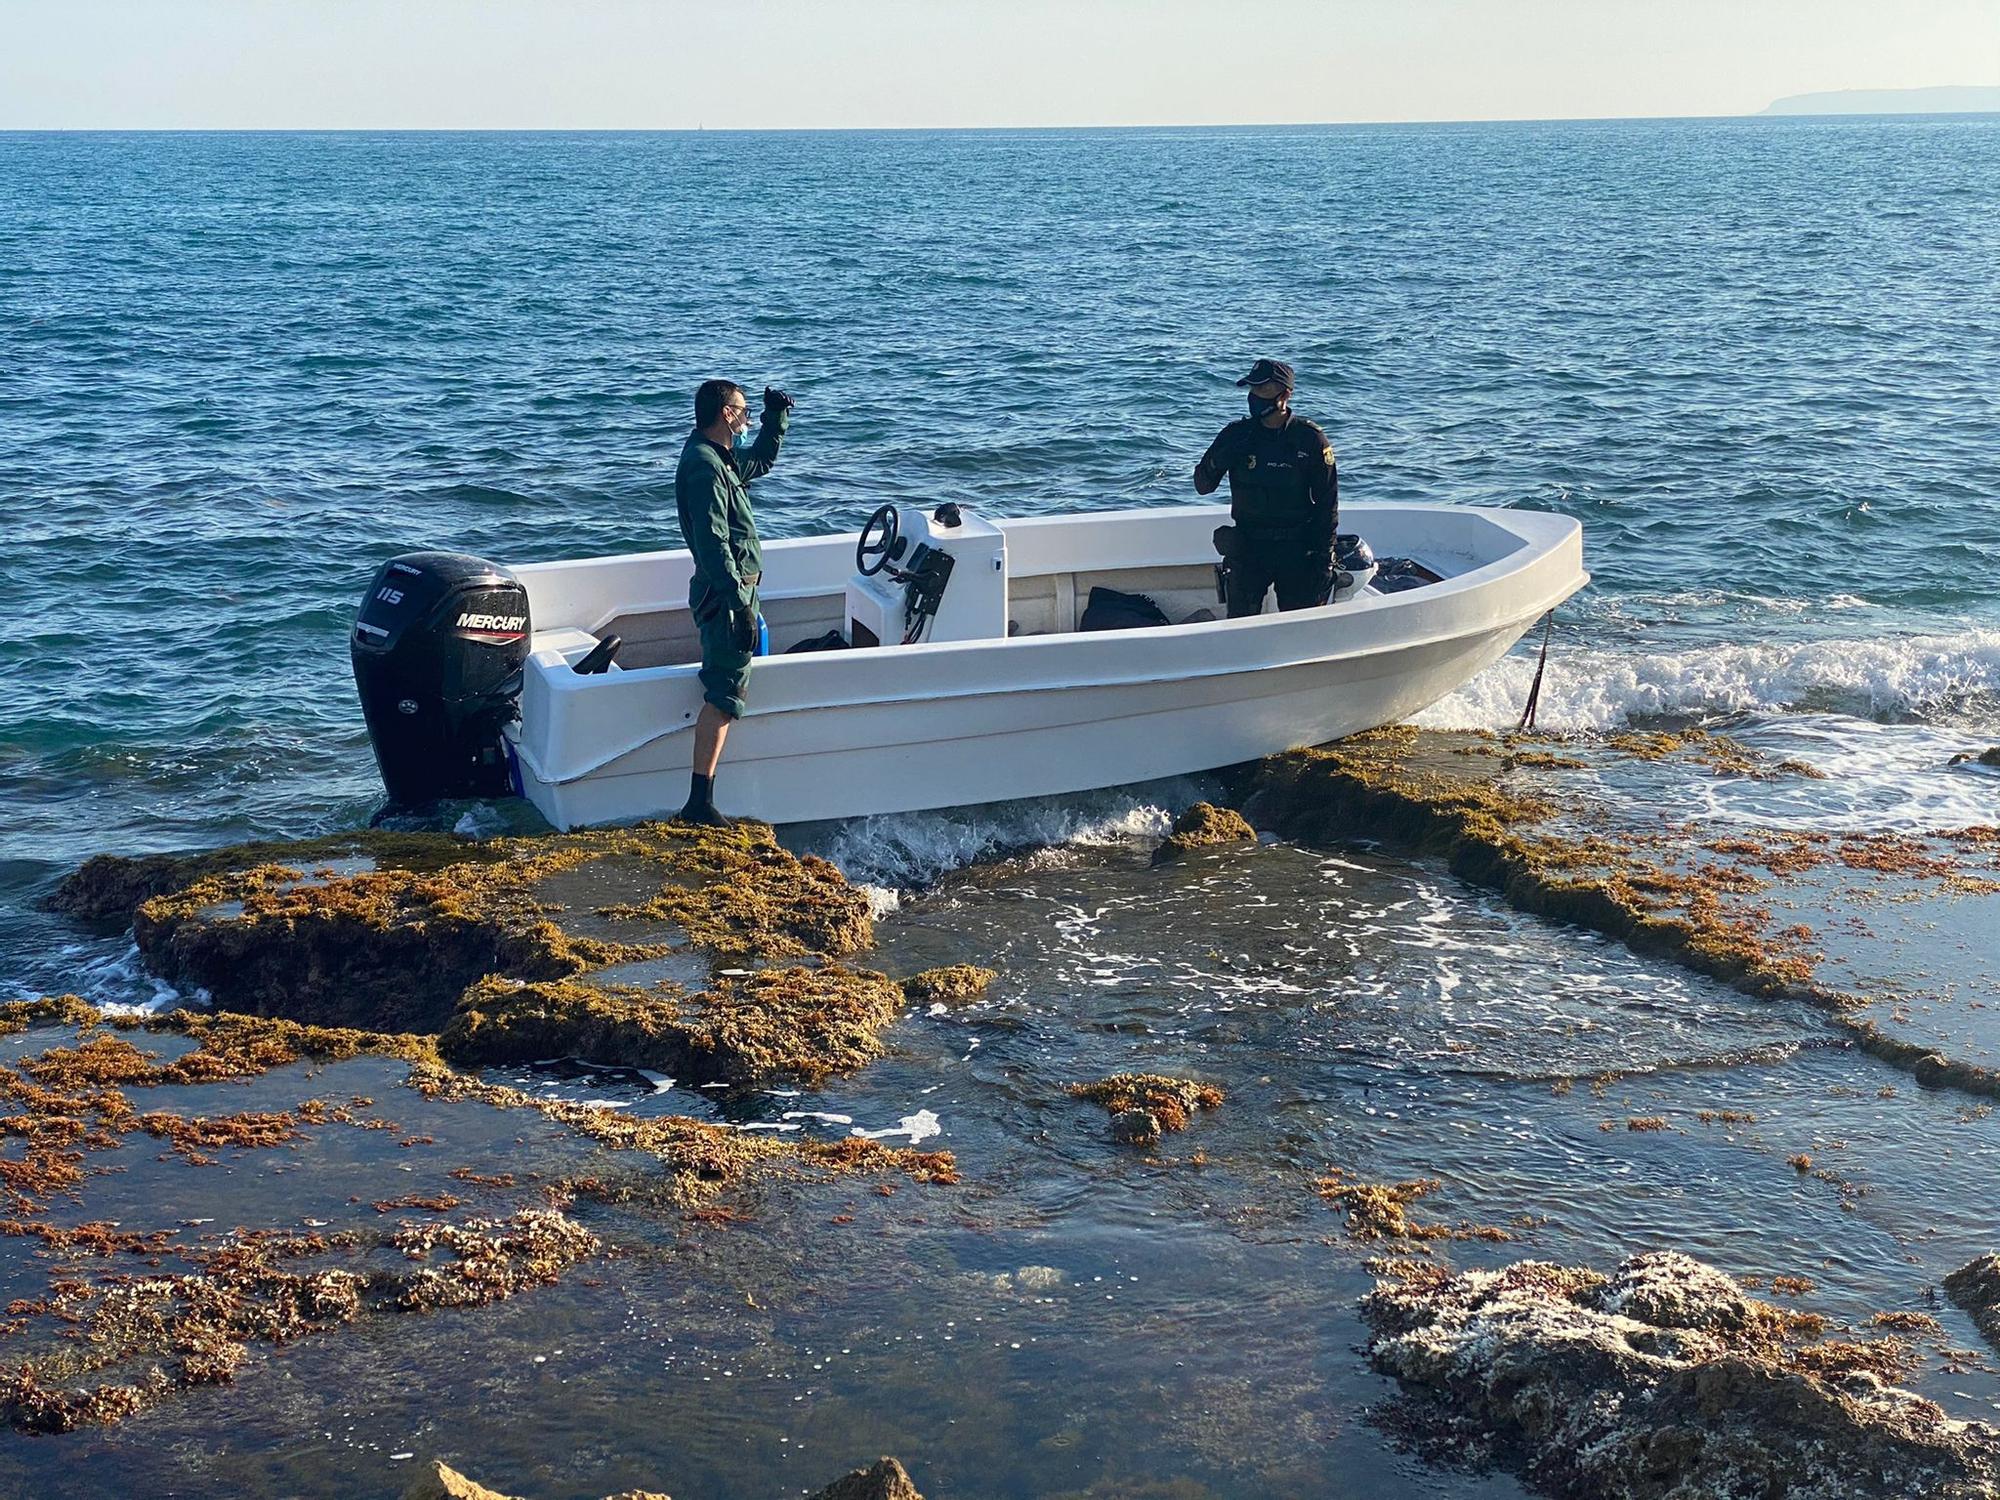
1267,370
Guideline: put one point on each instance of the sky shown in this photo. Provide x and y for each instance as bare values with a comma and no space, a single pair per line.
786,64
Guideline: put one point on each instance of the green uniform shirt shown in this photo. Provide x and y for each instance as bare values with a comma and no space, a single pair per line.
714,505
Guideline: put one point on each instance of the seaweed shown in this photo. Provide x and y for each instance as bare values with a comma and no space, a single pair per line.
1172,1102
954,984
1200,827
195,1328
393,949
794,1023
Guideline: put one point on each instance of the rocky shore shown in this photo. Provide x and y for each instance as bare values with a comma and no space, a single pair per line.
1660,1379
714,954
372,1001
1563,829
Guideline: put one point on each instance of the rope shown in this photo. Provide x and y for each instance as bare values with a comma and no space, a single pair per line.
1535,689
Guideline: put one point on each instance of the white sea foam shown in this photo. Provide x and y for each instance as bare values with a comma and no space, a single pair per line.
1927,676
920,1126
911,850
117,982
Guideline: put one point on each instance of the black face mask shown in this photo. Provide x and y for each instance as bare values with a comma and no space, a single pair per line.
1262,406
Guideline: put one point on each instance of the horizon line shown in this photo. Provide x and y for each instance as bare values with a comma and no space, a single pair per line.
1763,114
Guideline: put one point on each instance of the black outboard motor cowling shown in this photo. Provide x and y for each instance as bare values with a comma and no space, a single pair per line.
438,651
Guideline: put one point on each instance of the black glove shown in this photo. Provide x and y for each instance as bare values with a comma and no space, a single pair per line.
776,400
743,630
1319,565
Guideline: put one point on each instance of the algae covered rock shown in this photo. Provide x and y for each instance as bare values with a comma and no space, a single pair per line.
1169,1103
442,1482
111,887
953,984
885,1479
1975,1288
1669,1290
1200,826
1661,1380
795,1023
392,945
517,949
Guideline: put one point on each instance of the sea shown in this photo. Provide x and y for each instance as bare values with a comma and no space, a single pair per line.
1757,359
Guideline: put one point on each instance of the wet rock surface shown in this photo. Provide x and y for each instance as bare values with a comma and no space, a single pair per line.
1661,1379
1144,1106
1521,1074
885,1479
1975,1288
430,957
1774,911
1202,826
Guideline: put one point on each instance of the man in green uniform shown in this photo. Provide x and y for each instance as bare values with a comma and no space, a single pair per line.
709,490
1284,498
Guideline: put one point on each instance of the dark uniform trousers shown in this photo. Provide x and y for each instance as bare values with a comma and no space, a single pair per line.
1259,564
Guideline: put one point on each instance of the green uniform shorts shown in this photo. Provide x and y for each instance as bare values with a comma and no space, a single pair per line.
725,667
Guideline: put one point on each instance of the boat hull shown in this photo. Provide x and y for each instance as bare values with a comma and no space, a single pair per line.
904,729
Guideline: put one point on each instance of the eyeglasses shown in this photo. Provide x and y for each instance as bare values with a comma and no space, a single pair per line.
735,411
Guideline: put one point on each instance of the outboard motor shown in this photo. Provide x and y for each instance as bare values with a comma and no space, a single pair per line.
1353,566
438,649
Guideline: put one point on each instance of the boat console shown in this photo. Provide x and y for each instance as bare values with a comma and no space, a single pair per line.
936,576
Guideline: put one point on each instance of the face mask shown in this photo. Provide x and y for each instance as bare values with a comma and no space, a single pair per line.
1263,406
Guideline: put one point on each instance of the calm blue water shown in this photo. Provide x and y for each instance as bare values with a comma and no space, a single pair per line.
1759,359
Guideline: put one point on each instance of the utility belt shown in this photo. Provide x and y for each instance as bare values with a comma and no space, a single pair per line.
1236,536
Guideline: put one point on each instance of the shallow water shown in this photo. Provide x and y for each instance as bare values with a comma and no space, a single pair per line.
1185,1312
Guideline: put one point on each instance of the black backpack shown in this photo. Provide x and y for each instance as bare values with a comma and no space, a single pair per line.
1108,609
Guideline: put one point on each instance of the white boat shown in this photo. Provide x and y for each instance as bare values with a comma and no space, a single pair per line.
1001,694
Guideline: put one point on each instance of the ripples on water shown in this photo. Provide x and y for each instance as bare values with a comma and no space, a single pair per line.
1758,360
1078,1311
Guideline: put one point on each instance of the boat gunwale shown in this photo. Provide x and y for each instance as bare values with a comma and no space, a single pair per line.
1456,585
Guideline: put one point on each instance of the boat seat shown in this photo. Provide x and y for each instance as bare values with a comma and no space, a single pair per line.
571,644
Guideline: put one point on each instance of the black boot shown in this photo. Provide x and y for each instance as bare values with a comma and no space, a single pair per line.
700,806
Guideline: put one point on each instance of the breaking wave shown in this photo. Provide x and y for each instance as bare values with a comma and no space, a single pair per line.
905,851
110,976
1950,679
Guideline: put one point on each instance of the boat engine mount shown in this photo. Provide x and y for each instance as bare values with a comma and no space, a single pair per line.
438,648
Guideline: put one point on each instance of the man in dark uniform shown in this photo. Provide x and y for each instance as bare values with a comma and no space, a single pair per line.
714,505
1284,498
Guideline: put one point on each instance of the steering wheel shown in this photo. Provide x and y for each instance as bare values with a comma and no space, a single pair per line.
871,557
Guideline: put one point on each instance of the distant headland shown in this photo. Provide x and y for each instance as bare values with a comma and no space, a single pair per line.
1937,101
